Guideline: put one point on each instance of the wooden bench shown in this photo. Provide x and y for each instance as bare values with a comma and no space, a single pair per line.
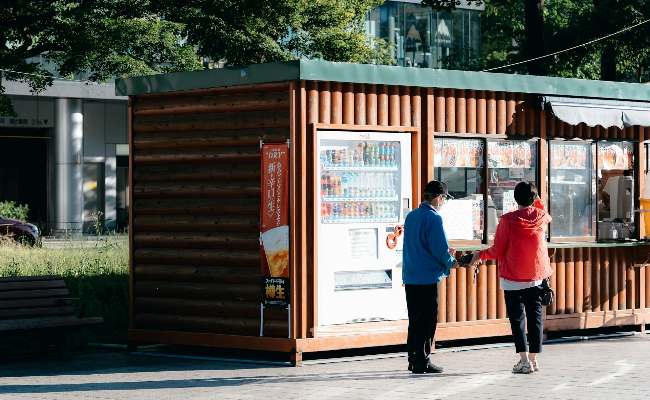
38,303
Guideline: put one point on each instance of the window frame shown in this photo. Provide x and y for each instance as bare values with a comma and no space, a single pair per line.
484,175
596,165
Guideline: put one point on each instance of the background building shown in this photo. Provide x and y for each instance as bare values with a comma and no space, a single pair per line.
65,154
422,37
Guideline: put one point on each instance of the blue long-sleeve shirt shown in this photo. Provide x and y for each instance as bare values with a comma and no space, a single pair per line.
426,257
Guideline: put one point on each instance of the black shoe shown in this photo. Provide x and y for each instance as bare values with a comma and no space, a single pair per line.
430,368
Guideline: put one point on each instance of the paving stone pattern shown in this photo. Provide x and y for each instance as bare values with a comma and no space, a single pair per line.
610,369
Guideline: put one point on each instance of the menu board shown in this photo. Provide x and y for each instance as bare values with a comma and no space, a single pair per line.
458,153
508,154
509,203
569,156
457,218
619,155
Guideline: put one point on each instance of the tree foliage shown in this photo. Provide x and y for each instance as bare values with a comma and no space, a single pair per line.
101,39
97,38
255,31
566,23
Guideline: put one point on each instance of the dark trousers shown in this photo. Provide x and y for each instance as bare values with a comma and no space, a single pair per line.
422,304
525,305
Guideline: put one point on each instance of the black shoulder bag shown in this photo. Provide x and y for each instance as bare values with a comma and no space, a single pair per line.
546,292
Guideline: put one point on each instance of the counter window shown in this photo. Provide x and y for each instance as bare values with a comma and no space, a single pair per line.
615,190
459,163
509,162
572,189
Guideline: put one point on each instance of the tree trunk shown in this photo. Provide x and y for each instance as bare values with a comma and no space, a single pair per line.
603,10
534,28
608,63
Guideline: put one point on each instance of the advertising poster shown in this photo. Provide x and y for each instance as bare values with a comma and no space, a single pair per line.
274,224
513,155
615,156
569,156
458,153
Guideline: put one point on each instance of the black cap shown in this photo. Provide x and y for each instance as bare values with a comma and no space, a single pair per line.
436,188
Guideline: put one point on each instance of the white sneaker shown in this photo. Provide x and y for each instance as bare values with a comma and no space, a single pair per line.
522,367
535,365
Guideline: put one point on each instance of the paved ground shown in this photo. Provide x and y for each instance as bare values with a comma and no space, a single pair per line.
599,369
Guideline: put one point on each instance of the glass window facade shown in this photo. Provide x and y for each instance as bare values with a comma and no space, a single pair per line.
422,37
572,189
459,163
509,162
615,190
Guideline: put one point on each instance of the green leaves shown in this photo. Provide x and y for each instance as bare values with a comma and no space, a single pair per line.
245,32
99,39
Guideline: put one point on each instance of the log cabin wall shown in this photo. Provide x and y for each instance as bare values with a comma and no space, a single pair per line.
194,236
595,286
195,208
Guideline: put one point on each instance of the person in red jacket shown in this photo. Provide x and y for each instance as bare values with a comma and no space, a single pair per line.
522,257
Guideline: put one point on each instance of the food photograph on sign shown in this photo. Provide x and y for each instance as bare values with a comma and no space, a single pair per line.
615,156
569,157
276,248
451,153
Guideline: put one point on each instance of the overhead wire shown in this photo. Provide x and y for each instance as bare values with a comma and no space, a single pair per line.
570,48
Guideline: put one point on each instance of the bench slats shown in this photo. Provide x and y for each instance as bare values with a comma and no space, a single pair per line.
33,294
38,302
29,278
50,322
36,312
31,285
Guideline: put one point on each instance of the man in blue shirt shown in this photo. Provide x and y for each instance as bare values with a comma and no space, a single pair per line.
427,259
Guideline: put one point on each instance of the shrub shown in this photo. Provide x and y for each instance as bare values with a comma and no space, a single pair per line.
10,209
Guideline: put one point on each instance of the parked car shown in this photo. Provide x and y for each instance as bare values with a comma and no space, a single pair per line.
22,232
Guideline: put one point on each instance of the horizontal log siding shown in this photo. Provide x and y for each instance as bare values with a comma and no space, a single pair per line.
196,197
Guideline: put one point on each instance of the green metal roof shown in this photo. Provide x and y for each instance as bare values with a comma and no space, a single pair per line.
316,70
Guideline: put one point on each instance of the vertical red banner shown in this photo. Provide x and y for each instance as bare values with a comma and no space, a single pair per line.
274,224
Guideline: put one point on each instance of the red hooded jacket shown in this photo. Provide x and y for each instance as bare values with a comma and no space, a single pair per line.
520,247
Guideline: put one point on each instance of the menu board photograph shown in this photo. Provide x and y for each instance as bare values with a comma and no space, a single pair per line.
568,156
458,153
619,155
505,154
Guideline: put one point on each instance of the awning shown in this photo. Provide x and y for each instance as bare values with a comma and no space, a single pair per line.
593,112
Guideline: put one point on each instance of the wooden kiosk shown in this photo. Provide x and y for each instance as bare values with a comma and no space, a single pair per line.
195,195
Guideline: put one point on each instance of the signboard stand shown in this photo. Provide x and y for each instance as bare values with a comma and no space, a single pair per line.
274,229
288,308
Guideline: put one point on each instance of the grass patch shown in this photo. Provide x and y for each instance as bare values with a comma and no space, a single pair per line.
97,275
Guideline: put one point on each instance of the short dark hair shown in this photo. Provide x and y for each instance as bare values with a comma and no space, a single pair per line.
525,193
434,189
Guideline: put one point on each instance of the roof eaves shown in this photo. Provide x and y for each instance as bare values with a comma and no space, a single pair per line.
470,80
220,77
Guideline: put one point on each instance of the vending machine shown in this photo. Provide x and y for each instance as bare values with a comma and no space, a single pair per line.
364,195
